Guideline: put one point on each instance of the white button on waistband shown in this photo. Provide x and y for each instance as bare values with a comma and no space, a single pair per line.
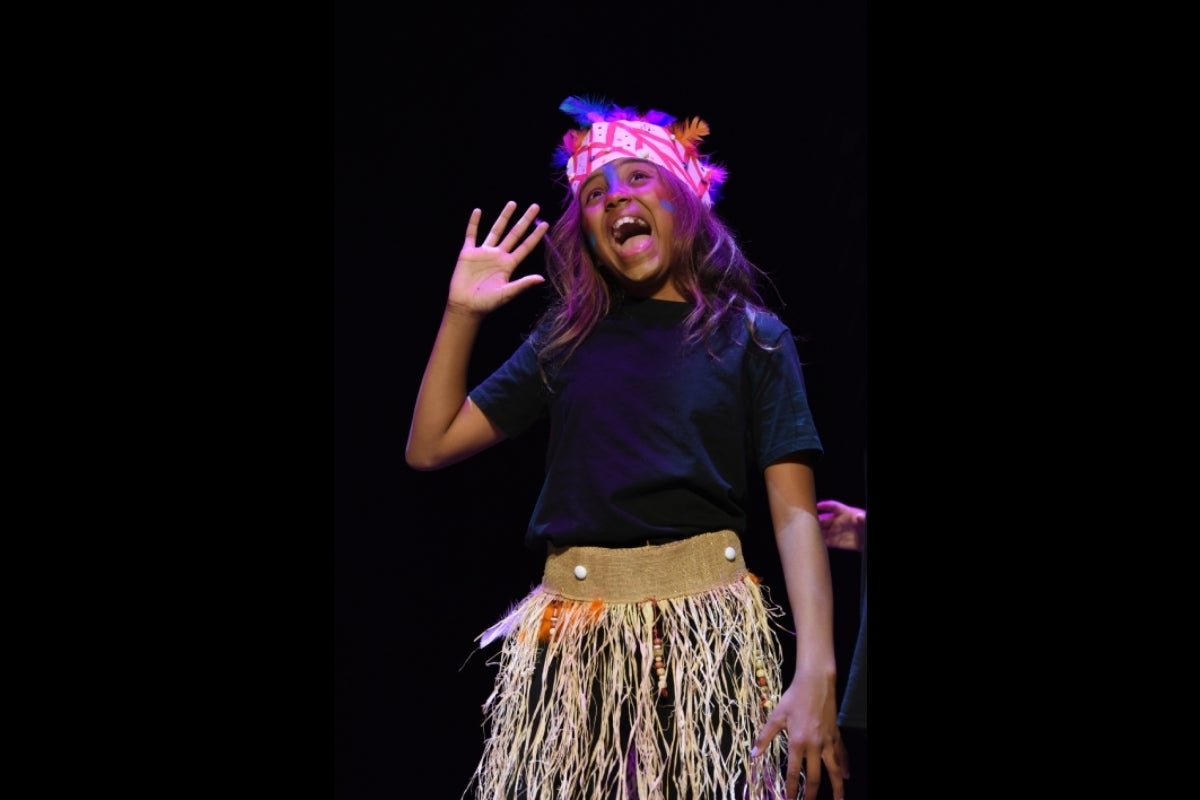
730,554
580,571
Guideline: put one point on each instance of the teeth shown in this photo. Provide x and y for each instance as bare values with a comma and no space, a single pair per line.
622,221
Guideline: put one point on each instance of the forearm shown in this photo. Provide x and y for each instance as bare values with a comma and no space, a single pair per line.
443,387
806,573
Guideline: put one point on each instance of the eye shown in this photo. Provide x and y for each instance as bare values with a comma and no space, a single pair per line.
591,194
639,175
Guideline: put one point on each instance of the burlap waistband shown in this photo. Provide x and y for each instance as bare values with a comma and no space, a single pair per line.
633,574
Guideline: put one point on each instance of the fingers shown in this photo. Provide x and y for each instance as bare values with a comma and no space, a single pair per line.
797,785
473,227
531,241
800,779
500,224
836,759
522,225
795,780
838,782
496,234
839,768
804,767
521,284
768,733
518,230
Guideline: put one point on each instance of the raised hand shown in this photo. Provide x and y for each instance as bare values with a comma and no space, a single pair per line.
482,277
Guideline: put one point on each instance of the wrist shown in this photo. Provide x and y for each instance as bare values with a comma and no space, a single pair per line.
460,312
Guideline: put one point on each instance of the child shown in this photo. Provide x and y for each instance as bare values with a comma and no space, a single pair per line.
646,664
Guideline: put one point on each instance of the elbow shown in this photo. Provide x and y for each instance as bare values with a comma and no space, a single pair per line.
420,453
421,461
427,453
428,457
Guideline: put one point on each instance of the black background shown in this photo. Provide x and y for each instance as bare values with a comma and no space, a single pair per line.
454,108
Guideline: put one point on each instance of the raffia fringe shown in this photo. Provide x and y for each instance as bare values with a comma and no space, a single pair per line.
544,743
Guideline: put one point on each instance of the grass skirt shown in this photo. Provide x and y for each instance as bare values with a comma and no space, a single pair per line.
635,674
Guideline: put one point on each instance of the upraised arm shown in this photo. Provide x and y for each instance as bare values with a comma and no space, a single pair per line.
446,427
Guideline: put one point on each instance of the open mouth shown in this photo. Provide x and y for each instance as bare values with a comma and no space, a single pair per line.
627,227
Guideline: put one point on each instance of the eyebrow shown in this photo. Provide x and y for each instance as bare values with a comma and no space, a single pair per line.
628,161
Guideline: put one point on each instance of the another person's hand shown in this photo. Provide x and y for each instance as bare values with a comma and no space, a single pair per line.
481,280
842,526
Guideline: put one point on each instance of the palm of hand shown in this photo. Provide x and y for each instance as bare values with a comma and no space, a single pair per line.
481,278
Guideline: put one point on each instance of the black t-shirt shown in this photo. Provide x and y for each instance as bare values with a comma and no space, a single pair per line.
650,438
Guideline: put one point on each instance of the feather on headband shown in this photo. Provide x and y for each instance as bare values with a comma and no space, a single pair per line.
613,132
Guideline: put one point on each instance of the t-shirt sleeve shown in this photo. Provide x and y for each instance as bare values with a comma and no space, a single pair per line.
781,421
513,397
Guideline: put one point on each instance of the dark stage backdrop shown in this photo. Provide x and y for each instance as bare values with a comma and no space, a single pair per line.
457,107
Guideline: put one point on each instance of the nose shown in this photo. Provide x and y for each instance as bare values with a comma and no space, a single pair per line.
616,195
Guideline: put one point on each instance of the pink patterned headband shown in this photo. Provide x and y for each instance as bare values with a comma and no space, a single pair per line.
613,133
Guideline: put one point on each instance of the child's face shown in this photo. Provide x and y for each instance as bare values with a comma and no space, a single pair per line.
629,221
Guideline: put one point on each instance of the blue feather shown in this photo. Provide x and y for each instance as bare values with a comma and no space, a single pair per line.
586,110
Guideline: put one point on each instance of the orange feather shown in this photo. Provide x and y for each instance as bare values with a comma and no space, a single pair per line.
689,133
